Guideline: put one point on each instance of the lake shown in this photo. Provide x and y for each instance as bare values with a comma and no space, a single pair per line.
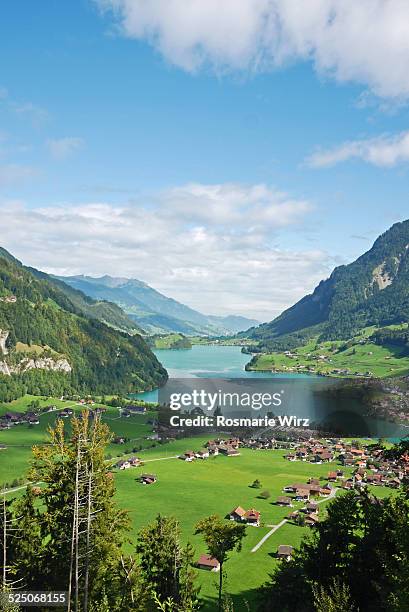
228,362
209,361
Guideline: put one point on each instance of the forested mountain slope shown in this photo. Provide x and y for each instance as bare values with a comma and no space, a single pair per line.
373,290
49,345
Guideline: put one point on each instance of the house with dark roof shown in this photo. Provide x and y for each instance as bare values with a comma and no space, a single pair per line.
147,479
284,551
283,500
237,514
206,562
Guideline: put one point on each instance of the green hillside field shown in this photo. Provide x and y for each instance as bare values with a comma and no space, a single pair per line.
191,491
358,355
14,460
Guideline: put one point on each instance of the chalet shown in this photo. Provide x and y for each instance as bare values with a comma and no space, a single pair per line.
213,449
311,508
284,552
293,515
394,483
134,461
332,476
326,456
124,465
3,447
65,413
233,442
136,409
302,494
284,501
211,443
34,420
206,562
119,440
302,453
311,519
188,456
252,517
147,479
229,451
237,514
314,481
291,457
202,454
13,418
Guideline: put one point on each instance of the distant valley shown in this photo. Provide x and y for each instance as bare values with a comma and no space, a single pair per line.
154,312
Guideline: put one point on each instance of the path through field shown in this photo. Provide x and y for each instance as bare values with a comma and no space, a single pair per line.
283,522
270,533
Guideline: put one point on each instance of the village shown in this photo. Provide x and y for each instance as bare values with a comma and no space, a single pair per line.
351,465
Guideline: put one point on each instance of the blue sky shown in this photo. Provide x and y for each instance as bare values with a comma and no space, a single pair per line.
124,149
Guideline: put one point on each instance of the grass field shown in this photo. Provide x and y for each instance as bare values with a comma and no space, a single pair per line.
191,491
170,341
14,460
381,361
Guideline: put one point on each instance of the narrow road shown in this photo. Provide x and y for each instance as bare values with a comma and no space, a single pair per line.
274,529
159,459
270,533
24,486
330,496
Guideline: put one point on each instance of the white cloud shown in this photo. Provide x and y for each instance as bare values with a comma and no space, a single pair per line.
234,205
386,151
365,41
208,263
60,148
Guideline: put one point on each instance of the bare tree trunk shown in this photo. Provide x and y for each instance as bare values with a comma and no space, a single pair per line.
88,534
220,587
4,540
72,546
76,506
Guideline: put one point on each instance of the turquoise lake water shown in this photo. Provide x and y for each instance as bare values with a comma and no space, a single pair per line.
305,398
209,361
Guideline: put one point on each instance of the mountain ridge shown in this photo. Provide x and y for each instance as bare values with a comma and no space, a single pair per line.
152,310
372,290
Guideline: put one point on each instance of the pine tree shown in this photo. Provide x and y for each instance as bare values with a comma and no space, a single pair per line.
165,565
28,546
82,528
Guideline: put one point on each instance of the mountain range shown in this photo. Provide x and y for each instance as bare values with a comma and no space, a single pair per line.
371,291
154,312
56,341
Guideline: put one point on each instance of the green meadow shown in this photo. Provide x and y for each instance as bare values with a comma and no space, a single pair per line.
191,491
381,361
14,460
